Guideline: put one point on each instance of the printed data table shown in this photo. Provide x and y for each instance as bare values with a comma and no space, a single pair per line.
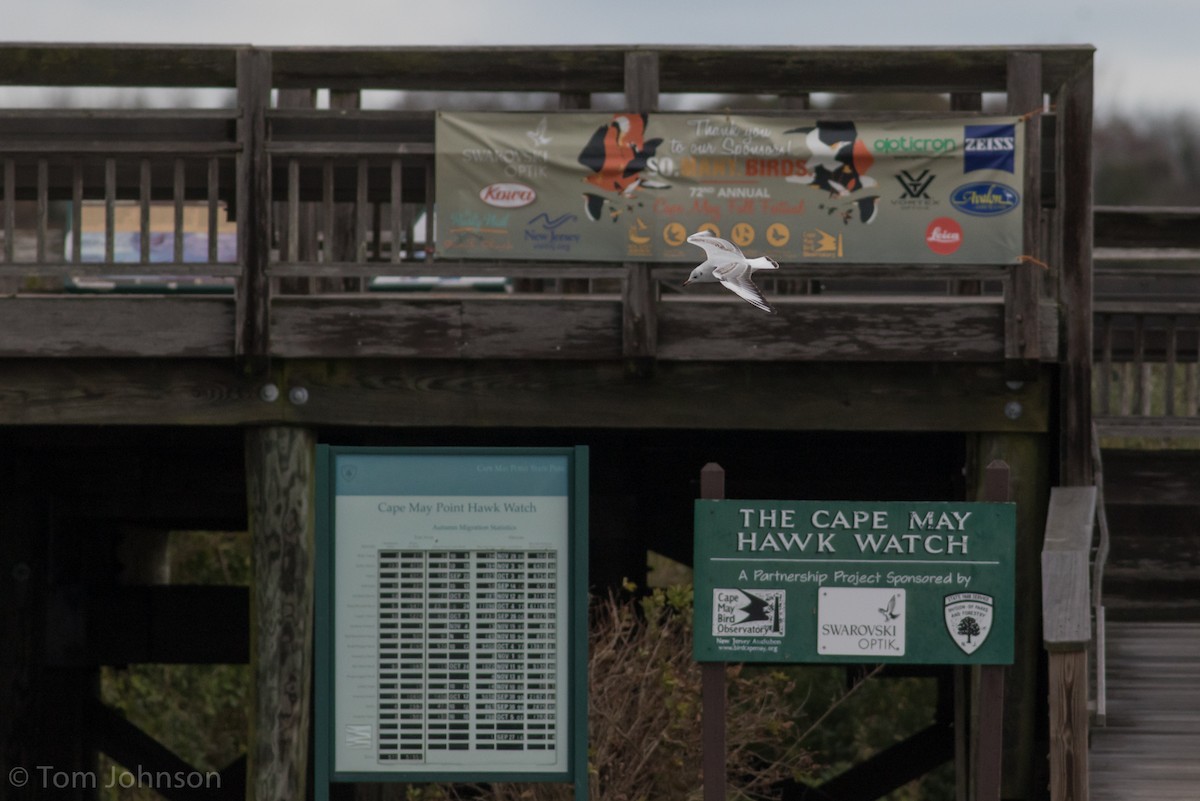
448,604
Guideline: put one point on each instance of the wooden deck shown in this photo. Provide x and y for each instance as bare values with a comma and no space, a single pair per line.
1150,748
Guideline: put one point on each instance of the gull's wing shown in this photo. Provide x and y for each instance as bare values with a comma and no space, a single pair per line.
743,287
717,249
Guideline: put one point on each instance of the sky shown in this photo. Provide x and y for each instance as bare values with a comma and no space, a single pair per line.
1146,59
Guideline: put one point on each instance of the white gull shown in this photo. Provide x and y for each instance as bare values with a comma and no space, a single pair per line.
727,264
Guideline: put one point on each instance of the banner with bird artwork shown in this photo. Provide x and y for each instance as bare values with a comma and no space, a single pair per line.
602,186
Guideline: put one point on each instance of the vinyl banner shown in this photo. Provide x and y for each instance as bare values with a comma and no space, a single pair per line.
597,186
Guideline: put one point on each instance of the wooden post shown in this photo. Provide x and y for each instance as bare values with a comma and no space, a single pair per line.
1021,339
1027,456
1067,633
1074,186
712,676
253,207
640,296
281,493
989,746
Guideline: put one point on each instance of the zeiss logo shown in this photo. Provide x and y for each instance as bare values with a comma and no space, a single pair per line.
984,199
989,147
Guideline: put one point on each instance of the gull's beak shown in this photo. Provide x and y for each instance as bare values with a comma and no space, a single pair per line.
685,283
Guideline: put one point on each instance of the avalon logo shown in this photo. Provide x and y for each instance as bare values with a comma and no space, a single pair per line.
507,195
985,199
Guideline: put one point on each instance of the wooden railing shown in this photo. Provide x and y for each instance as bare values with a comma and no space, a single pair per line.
1147,321
332,207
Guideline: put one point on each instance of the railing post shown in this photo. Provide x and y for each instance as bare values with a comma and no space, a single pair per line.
252,340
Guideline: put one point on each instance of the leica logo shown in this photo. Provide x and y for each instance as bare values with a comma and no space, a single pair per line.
944,236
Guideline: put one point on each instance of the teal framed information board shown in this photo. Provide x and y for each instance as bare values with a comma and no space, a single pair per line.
451,615
824,581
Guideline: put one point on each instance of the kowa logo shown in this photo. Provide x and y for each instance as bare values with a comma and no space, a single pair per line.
989,147
985,199
507,195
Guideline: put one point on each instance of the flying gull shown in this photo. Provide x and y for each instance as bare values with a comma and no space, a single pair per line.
727,264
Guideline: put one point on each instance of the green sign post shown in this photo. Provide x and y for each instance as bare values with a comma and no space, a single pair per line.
816,581
451,614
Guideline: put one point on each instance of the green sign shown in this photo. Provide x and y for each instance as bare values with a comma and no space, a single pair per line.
592,186
451,615
815,581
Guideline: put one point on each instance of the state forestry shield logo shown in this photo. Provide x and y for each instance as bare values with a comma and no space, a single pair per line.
968,619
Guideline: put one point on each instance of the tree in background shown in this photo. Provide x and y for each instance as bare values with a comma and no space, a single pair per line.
1148,161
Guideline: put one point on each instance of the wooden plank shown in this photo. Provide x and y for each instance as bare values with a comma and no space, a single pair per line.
280,487
1152,477
77,64
506,393
101,392
253,208
690,329
684,69
832,328
97,326
1066,608
1147,227
447,327
568,394
1149,746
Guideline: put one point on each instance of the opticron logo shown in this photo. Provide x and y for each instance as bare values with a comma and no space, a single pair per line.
989,147
944,236
507,195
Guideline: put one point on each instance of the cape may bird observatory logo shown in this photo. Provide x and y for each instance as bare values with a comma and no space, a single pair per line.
746,613
968,619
